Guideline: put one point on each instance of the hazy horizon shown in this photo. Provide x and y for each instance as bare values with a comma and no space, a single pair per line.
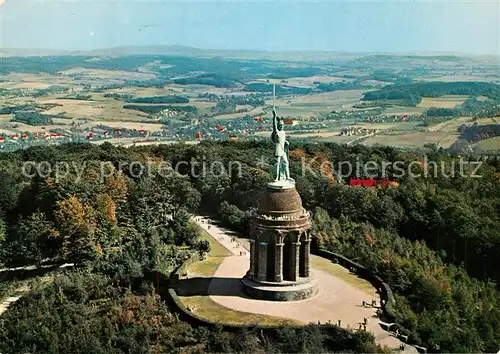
374,26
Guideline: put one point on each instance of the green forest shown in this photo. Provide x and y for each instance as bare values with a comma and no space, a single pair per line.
433,239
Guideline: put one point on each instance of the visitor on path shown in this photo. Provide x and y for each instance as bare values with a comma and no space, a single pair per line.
365,321
340,323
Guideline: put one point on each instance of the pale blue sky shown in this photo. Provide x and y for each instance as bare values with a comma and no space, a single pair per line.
387,26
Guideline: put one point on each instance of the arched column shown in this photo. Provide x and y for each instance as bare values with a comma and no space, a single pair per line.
262,264
294,260
278,258
251,272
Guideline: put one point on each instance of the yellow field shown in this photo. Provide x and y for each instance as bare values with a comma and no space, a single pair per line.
336,139
448,140
256,110
62,121
140,91
5,118
5,131
108,109
450,126
493,120
411,140
196,89
309,135
402,110
448,101
310,105
381,126
152,127
459,78
108,74
21,127
305,81
33,81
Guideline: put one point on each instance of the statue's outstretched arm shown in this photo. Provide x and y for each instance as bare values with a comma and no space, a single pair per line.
275,125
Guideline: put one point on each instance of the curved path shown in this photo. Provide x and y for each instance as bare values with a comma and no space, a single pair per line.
336,299
20,291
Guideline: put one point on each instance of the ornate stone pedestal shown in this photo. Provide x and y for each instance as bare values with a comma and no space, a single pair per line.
280,248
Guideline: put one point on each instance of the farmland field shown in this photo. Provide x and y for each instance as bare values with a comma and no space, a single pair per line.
310,105
129,125
252,112
449,101
107,74
450,125
314,135
493,120
461,78
488,144
75,99
409,140
335,139
306,81
402,110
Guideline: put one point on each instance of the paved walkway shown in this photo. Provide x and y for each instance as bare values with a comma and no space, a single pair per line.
336,299
19,292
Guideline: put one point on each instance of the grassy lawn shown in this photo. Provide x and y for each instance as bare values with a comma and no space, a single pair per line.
340,272
216,249
205,268
204,306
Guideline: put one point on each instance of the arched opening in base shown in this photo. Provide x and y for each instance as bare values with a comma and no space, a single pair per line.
286,259
302,259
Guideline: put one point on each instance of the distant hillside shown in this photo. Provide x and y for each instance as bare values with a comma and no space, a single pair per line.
198,52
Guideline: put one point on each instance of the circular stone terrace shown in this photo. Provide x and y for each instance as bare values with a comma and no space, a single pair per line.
340,293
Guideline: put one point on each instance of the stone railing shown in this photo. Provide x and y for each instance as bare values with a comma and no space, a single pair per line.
170,296
304,214
389,302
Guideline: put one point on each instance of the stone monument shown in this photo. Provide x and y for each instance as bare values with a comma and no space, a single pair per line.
279,236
